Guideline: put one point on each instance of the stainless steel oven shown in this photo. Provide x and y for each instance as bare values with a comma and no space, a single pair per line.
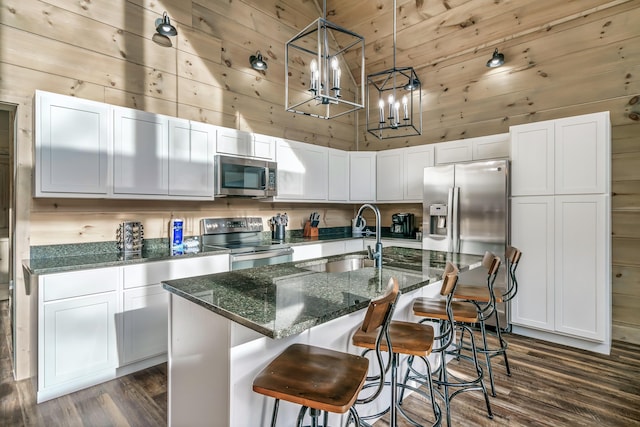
244,237
236,176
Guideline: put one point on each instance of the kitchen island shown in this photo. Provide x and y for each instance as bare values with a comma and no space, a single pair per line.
223,328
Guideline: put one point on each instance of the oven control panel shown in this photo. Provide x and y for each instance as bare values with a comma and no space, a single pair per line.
230,225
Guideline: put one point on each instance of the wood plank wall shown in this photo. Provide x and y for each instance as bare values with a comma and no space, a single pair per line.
560,62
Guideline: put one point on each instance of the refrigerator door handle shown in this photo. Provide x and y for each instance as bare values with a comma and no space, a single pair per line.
456,220
450,213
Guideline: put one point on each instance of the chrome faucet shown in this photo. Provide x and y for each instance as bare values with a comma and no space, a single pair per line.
377,254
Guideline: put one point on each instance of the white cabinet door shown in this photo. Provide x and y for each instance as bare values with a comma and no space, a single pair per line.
144,323
390,175
302,171
582,289
79,339
532,231
532,159
141,164
453,152
362,176
582,154
491,147
302,252
191,152
72,142
338,190
235,142
415,160
264,147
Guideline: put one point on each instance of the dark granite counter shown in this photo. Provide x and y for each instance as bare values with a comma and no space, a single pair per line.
49,259
286,299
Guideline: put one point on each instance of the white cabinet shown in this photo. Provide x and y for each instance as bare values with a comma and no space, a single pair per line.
389,175
563,283
454,152
246,144
141,164
362,176
191,153
561,221
564,156
302,171
144,323
235,142
582,273
77,340
95,325
532,231
400,173
72,143
480,148
338,190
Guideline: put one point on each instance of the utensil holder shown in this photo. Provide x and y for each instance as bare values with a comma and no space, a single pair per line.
309,231
277,233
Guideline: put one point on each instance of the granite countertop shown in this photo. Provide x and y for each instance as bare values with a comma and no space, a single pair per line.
286,299
49,259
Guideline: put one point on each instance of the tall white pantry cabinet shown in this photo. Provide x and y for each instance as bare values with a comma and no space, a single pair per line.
561,221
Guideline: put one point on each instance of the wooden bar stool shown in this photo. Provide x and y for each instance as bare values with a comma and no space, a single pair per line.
324,380
450,315
484,298
407,338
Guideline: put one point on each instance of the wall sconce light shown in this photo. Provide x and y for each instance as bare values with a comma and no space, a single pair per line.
164,27
257,63
496,60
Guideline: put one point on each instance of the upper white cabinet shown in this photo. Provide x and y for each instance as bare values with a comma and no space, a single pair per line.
362,176
480,148
400,173
141,153
302,171
582,149
191,153
246,144
338,175
564,156
72,142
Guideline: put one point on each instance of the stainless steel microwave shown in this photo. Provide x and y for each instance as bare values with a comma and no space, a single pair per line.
237,176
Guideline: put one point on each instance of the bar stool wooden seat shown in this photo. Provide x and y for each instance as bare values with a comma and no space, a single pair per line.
411,339
484,298
451,316
324,380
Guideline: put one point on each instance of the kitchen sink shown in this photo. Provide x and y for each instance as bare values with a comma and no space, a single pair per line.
338,266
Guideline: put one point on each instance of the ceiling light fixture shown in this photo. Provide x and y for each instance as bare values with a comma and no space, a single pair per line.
257,63
401,115
315,58
496,60
164,27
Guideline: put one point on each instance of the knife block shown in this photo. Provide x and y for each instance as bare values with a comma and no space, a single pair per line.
309,231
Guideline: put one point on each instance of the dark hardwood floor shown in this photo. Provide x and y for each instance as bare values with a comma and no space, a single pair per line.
550,385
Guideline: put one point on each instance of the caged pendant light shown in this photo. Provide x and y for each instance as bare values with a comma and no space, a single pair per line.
394,99
317,82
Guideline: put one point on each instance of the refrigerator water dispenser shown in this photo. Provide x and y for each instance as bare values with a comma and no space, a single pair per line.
438,219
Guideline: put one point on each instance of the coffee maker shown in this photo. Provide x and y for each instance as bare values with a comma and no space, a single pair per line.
402,224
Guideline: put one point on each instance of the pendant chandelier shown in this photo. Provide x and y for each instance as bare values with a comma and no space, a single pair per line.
317,81
394,99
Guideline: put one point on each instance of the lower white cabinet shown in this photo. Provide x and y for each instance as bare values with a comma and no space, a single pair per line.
95,325
564,274
77,339
144,323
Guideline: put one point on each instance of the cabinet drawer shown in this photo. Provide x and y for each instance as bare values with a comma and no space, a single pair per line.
79,283
156,272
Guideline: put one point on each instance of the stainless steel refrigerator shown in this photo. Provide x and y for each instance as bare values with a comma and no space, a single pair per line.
466,210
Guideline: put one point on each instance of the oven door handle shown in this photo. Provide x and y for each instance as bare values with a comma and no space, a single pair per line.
261,255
